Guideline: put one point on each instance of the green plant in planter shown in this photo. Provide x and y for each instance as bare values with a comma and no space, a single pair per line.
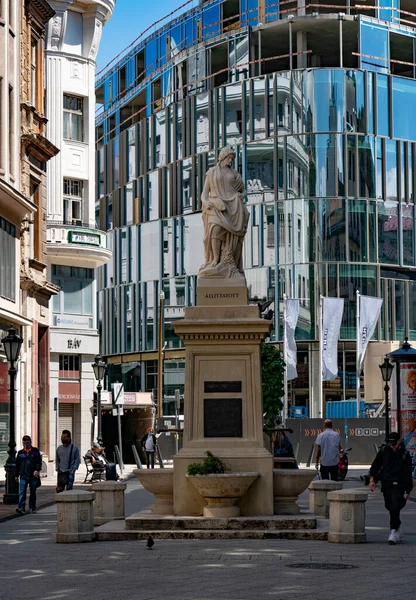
211,465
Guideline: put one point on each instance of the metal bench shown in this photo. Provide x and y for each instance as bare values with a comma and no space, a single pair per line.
93,473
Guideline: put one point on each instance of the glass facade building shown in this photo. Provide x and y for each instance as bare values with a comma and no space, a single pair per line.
318,105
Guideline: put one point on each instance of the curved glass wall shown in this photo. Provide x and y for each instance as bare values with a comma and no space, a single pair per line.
330,197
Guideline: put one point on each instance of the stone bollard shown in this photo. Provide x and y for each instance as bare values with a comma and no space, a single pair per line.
109,501
318,496
75,516
347,516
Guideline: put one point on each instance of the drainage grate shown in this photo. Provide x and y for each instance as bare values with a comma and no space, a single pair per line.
322,566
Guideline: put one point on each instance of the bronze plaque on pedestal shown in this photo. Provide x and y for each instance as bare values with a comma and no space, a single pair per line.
223,417
222,387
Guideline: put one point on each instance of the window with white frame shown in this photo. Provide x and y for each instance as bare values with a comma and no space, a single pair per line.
73,118
73,195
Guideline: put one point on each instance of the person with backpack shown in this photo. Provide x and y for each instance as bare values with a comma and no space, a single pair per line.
67,462
393,467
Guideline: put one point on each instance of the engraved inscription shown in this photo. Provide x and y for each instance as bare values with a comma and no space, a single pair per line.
223,417
222,387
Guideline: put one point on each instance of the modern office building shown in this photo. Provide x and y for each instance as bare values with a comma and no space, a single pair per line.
318,103
75,245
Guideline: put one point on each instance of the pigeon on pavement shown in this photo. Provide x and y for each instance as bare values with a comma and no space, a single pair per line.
150,543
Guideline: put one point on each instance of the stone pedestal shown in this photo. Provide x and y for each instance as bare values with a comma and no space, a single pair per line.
75,517
347,516
318,496
223,400
109,501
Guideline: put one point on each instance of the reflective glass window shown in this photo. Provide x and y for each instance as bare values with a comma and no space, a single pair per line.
322,176
388,234
151,56
259,108
233,115
402,164
412,310
150,239
249,12
284,231
194,250
283,102
260,178
408,233
153,195
410,172
374,47
372,232
355,102
329,100
202,122
210,21
400,308
238,57
370,107
404,122
331,223
387,14
160,139
354,277
391,170
380,155
305,329
340,139
383,127
128,190
116,162
357,230
131,153
366,157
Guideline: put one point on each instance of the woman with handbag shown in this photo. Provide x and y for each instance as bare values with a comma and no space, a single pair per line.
28,465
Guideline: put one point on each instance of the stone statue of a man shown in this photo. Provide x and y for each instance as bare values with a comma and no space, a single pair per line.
225,219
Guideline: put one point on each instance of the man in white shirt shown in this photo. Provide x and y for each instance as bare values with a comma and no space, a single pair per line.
327,452
148,443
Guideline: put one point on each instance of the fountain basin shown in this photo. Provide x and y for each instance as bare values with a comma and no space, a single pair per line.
222,491
288,484
158,482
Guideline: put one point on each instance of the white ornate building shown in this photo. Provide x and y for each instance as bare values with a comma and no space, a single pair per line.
76,247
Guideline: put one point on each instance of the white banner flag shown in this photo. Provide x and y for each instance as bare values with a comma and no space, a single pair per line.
290,321
370,308
332,309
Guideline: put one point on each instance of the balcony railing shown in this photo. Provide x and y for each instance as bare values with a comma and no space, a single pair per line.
71,223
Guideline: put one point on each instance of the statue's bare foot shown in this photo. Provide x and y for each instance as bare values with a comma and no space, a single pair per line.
214,263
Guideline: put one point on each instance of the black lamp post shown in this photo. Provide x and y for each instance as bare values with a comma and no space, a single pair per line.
99,367
12,344
386,372
405,354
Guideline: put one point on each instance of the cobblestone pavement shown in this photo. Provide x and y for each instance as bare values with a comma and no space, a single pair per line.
33,565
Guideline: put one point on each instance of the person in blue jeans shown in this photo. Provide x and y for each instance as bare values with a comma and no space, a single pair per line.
28,465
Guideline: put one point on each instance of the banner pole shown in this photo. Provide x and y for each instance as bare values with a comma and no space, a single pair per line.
285,386
357,359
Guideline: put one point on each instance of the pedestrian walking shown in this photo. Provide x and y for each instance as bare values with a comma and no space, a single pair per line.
28,465
393,467
148,443
327,452
67,462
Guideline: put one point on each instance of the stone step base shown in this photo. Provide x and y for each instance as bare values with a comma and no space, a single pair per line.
211,534
149,522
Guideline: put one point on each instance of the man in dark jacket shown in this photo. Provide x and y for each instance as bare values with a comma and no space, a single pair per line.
393,467
148,443
28,465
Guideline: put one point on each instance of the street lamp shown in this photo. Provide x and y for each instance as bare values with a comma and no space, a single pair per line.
99,367
161,349
386,372
12,344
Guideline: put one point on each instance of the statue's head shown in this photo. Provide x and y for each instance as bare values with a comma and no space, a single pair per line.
227,155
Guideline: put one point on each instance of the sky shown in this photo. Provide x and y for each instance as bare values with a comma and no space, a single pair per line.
129,19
